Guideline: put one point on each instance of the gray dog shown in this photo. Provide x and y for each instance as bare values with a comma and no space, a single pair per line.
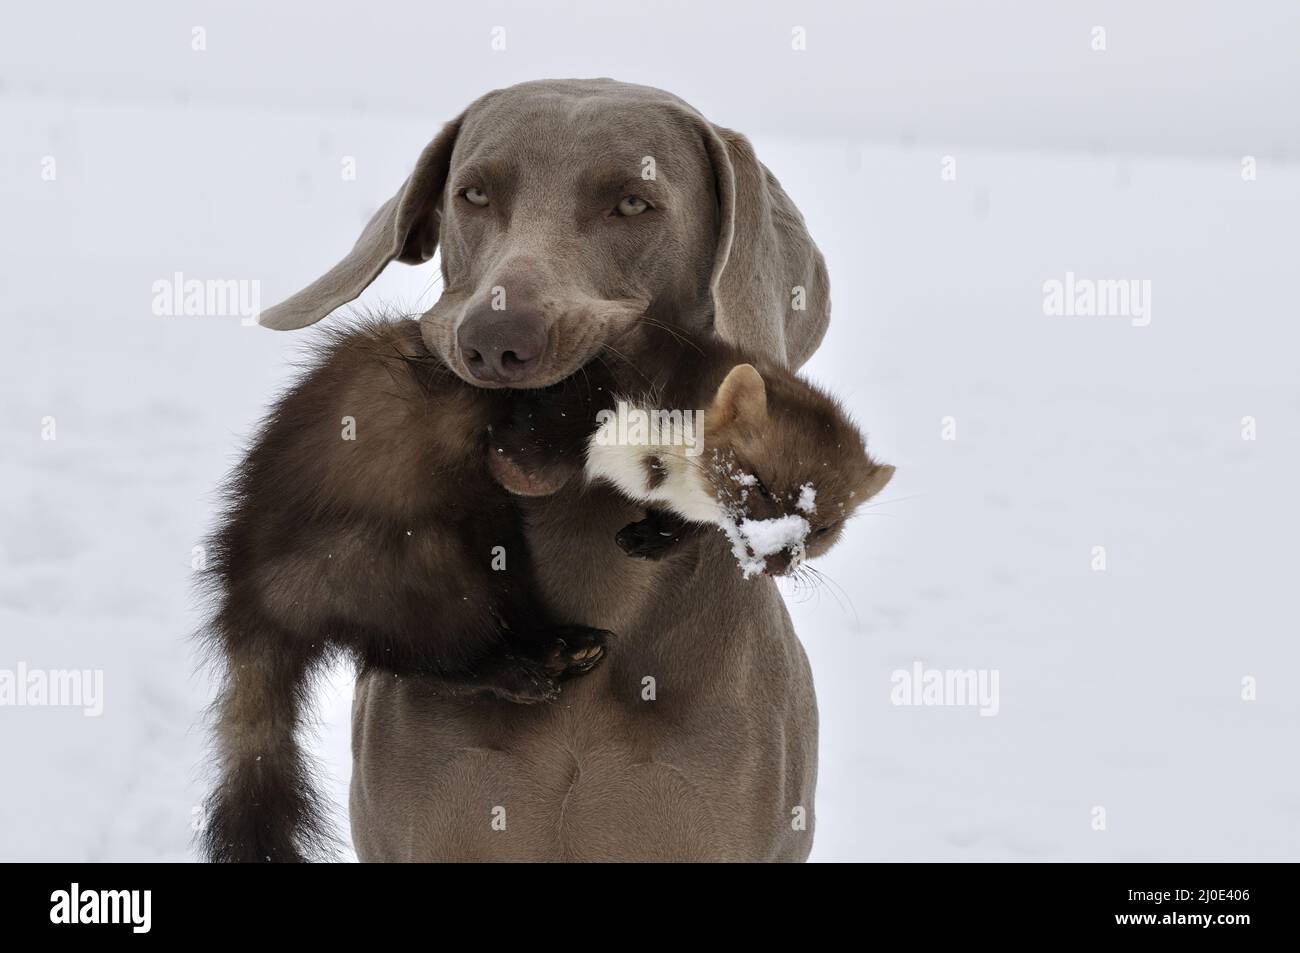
607,205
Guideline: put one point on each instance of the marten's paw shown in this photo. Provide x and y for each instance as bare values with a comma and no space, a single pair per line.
565,651
643,540
528,454
575,650
654,537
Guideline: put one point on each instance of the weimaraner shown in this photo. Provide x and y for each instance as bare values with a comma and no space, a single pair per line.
570,214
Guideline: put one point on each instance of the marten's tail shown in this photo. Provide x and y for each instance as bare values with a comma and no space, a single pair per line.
264,807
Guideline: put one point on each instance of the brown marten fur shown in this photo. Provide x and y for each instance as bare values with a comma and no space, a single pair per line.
366,520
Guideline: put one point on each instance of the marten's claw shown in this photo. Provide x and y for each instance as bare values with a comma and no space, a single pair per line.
565,651
577,649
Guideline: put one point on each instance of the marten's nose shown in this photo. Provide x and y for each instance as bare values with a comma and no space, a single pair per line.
502,347
778,564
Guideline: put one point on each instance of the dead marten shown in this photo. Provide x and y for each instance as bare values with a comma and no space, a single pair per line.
369,518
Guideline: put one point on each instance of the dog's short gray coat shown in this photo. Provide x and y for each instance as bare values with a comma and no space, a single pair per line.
697,739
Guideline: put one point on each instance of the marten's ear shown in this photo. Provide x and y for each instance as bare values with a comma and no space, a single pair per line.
741,399
877,479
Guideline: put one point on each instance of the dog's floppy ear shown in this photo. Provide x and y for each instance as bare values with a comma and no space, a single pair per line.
405,228
770,288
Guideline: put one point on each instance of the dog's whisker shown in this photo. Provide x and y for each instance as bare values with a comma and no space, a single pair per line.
677,335
628,361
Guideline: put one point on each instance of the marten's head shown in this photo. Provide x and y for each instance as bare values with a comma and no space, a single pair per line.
787,466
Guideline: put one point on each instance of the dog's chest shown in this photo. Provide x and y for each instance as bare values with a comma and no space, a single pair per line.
683,744
583,779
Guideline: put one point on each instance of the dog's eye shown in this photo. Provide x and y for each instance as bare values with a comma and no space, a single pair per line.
763,490
631,205
475,196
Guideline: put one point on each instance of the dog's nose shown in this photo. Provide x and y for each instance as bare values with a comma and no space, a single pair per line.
502,347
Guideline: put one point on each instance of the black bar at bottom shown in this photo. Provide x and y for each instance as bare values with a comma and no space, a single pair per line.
137,902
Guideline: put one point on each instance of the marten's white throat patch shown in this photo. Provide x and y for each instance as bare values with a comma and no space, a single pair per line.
670,473
660,465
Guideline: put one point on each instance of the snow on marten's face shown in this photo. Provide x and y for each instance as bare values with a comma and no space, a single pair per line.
786,466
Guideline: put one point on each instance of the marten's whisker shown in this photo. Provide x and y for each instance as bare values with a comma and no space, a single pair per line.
897,499
832,586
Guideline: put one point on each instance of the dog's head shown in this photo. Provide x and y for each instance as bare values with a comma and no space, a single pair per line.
567,212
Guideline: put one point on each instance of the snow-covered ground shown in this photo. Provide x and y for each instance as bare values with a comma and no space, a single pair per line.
1119,689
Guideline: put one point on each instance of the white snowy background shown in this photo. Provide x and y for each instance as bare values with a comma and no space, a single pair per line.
1119,688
